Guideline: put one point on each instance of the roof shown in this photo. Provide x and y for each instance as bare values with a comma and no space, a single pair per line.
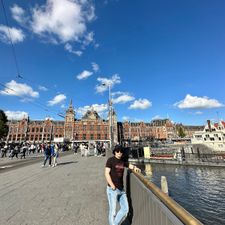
91,115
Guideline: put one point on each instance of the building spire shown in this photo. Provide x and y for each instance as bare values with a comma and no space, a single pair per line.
71,104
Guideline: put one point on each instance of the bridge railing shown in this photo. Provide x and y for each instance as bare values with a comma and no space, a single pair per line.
150,206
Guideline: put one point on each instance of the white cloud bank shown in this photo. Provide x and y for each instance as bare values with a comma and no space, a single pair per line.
57,100
140,104
63,20
194,102
16,115
84,75
8,34
18,89
55,21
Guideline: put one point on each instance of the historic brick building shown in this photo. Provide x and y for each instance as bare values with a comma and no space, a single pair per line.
157,129
92,127
89,127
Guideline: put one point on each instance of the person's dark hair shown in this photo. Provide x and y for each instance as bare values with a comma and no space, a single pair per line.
116,148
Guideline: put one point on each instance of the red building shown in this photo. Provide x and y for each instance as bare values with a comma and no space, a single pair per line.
90,127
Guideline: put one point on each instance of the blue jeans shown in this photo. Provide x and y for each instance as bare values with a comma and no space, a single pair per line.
113,197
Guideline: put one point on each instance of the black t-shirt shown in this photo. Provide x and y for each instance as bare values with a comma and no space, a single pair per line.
117,170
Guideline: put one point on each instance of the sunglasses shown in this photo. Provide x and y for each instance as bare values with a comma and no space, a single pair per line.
118,150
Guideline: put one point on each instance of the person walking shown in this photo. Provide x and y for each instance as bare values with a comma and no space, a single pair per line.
114,171
55,155
23,151
48,154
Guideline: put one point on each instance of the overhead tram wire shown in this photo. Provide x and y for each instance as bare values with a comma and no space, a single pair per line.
19,76
40,105
16,61
10,39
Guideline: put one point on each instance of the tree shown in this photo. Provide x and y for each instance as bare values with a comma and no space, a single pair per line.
181,132
3,125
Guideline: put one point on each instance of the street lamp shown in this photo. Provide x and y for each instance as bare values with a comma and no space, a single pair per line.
111,141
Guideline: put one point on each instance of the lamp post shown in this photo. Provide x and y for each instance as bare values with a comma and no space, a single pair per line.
111,141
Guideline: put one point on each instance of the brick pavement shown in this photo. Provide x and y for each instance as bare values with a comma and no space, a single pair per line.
73,193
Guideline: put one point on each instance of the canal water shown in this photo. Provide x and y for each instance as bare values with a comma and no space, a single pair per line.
200,190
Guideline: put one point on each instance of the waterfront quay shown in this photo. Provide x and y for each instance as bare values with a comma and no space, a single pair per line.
73,192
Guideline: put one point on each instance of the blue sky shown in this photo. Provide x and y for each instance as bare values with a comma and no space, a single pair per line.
162,59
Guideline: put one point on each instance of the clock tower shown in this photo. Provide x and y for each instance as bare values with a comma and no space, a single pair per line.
69,123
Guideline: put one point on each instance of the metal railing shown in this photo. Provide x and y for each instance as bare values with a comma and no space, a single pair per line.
150,206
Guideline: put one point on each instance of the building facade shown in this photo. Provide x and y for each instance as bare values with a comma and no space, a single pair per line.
92,127
89,127
212,136
137,131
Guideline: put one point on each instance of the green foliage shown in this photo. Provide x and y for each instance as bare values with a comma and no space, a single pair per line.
3,125
180,131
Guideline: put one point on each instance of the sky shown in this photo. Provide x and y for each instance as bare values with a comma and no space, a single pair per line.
155,59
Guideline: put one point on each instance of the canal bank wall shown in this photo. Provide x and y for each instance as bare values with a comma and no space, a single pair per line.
176,162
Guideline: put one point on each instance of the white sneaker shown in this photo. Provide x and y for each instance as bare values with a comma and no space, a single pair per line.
42,166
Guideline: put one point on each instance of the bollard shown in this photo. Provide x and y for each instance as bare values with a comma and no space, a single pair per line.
164,185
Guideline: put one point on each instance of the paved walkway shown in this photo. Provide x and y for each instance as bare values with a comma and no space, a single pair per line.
73,193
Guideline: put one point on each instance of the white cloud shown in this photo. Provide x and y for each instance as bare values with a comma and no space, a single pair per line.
18,89
16,115
125,118
8,34
57,100
95,67
140,104
18,14
198,113
84,75
156,117
105,83
194,102
64,20
123,99
68,47
99,108
88,38
42,88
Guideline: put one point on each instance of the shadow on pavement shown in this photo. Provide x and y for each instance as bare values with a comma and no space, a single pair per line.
65,163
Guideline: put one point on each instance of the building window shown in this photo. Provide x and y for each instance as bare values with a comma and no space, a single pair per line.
92,136
84,136
106,136
98,127
41,129
99,136
33,129
84,127
91,127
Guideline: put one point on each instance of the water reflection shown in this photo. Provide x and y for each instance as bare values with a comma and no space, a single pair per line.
200,190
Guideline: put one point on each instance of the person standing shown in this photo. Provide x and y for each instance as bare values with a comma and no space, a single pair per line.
114,171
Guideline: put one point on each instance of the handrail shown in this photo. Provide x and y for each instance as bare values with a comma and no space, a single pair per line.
178,210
